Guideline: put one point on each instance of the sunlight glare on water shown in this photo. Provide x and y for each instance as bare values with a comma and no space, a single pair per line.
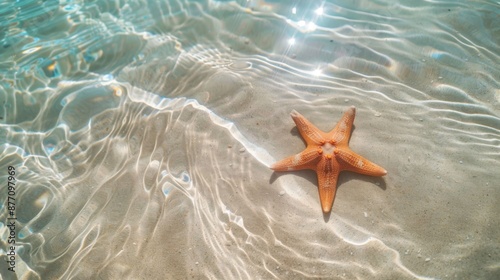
142,133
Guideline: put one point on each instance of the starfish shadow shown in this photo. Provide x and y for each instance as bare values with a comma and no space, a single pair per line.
326,216
309,175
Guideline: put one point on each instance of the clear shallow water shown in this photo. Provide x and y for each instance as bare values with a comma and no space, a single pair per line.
142,133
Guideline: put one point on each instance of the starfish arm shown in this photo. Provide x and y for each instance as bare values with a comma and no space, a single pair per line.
342,131
310,133
307,159
351,161
328,173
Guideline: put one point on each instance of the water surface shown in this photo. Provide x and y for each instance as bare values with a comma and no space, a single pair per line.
142,132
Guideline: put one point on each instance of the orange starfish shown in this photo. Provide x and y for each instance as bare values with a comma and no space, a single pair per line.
328,154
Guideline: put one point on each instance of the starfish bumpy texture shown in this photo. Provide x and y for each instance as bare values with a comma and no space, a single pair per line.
328,154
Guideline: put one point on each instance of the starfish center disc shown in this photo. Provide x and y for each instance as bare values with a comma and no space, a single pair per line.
328,148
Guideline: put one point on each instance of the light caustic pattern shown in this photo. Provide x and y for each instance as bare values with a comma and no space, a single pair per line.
142,134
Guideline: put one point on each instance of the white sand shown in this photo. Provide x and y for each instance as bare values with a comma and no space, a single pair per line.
162,173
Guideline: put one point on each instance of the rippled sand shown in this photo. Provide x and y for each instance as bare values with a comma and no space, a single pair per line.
142,135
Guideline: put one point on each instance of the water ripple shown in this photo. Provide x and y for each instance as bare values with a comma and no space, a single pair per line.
142,132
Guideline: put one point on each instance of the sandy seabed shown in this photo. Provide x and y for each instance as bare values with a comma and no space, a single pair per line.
146,154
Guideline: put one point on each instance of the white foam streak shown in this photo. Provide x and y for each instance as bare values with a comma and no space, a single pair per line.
163,103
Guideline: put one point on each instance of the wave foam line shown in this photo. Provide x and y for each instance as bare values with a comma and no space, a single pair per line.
164,103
